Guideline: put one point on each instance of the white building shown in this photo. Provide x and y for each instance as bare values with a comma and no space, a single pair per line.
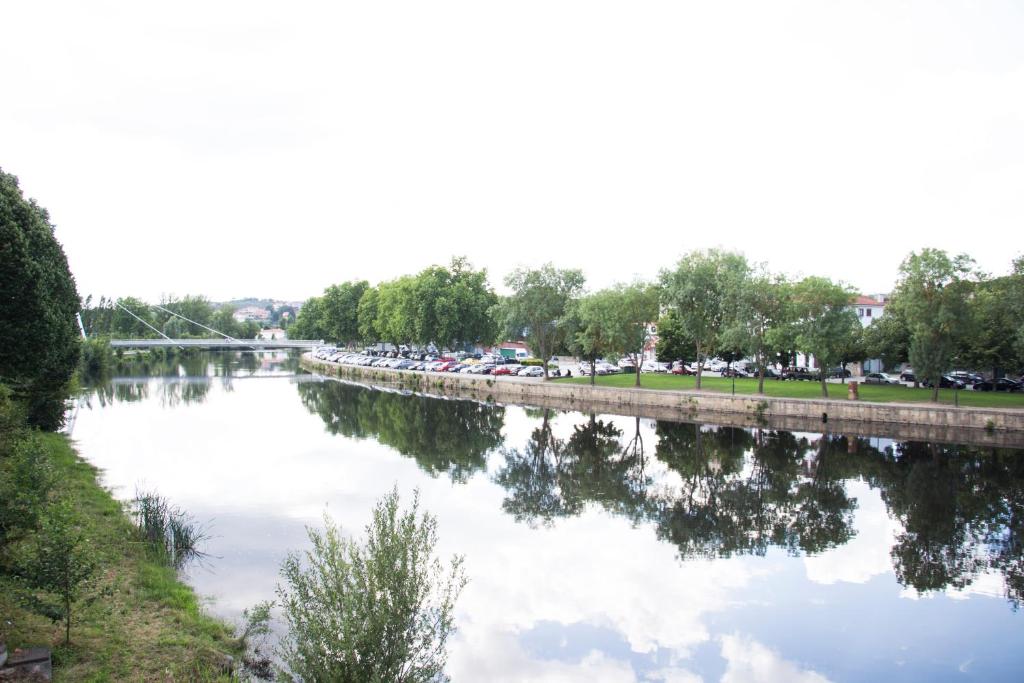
868,308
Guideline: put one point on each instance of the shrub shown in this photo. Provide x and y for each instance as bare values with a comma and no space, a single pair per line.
380,610
171,533
63,565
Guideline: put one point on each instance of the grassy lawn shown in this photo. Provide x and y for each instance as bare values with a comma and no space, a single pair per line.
147,626
868,392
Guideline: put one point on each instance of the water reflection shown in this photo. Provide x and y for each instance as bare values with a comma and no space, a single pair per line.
182,377
601,547
444,437
734,491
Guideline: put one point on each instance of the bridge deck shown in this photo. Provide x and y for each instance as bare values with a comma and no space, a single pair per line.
217,343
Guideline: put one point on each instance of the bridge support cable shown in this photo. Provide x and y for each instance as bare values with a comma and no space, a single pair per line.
226,336
145,323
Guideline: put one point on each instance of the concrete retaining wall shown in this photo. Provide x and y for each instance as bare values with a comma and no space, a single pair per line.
903,421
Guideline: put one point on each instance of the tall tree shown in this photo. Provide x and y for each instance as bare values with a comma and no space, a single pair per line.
932,293
309,323
38,304
703,291
674,341
341,310
632,308
538,304
593,318
824,321
762,317
367,316
397,310
992,340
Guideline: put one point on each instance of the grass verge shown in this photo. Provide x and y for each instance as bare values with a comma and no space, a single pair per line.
147,626
775,388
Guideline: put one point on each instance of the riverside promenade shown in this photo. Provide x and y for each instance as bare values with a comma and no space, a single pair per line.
901,421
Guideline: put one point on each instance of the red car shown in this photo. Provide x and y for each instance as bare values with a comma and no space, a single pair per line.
501,370
681,369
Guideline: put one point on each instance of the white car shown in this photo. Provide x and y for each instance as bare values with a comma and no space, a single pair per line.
653,366
532,371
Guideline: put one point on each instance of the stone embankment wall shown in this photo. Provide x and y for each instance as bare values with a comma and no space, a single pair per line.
902,421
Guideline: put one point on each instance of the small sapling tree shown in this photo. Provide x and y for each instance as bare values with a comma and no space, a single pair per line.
377,610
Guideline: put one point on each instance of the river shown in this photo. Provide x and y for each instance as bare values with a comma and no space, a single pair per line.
597,547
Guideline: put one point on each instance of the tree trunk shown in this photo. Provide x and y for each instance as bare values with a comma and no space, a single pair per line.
824,384
636,368
700,366
935,390
760,378
593,370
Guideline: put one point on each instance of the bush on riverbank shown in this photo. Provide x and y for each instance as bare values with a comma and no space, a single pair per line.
143,623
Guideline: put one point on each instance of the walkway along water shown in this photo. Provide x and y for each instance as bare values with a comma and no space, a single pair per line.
904,421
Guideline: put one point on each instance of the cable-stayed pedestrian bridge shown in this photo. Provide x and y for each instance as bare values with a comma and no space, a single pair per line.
250,344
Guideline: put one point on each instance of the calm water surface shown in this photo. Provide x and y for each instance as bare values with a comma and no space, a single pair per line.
598,547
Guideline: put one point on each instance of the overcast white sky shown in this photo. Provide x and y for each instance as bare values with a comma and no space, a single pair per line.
270,149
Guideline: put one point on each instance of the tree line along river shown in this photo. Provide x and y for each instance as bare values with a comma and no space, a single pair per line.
598,547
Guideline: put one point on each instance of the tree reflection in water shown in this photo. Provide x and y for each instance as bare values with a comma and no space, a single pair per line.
444,437
718,491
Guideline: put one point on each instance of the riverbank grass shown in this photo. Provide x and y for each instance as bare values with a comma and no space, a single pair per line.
145,624
868,392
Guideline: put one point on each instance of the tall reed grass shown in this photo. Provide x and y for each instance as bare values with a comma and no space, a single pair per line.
171,533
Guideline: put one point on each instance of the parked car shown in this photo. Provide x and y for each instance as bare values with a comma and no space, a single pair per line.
908,375
1001,384
735,372
968,378
654,366
680,368
715,365
945,382
839,373
532,371
802,374
880,378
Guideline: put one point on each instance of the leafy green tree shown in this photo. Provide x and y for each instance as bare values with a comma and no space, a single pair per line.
888,338
396,310
38,304
377,610
592,321
991,341
366,316
703,291
309,323
761,319
223,320
538,306
824,322
632,308
341,310
931,294
63,565
452,305
196,308
674,342
124,325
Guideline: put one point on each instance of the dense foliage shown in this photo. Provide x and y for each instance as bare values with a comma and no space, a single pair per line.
380,609
939,316
539,308
38,304
132,318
